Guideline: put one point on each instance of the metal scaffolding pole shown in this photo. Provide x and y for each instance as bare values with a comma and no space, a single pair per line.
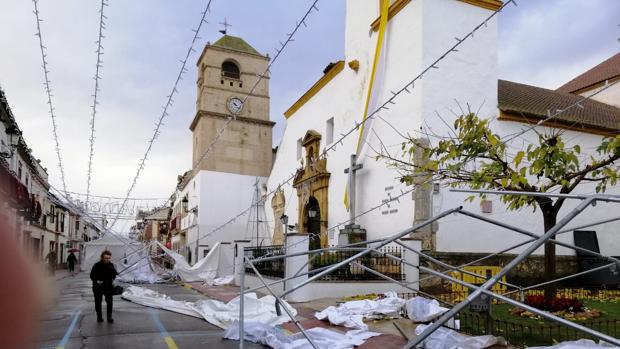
493,280
602,267
241,307
403,284
279,301
536,236
367,250
481,289
446,265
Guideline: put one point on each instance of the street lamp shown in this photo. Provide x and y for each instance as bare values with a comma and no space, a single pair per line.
312,212
13,136
284,220
184,203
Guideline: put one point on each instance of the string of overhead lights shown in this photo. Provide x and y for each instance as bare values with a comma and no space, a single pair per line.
232,117
97,77
166,106
48,92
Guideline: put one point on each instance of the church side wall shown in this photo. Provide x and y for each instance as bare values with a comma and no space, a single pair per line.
458,234
610,96
376,182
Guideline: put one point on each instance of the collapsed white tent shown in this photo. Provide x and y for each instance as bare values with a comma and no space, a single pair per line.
119,246
276,338
218,262
420,309
445,338
130,258
140,270
261,310
351,314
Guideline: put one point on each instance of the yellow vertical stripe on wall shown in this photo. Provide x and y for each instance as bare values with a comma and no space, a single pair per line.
384,9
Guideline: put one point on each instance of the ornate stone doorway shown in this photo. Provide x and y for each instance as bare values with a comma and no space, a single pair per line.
313,222
312,183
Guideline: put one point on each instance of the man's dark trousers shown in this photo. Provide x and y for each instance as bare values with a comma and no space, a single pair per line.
99,293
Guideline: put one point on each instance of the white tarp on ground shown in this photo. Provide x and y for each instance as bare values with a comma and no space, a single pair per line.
274,337
204,270
224,280
215,312
580,344
154,299
351,314
420,309
445,338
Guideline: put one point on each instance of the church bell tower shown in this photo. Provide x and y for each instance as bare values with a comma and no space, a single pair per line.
227,72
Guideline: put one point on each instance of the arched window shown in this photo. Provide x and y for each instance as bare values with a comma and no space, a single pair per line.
230,70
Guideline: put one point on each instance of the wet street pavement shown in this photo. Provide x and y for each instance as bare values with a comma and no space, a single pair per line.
71,322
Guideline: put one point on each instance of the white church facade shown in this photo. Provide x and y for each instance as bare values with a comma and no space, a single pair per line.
306,181
417,33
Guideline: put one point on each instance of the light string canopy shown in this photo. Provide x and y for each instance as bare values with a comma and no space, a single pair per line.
48,91
95,95
167,105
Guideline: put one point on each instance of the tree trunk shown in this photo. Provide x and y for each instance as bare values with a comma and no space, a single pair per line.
550,217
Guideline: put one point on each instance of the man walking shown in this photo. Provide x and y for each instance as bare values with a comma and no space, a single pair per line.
51,262
71,260
102,275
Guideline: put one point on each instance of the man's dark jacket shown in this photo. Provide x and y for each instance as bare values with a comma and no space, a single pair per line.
71,259
103,272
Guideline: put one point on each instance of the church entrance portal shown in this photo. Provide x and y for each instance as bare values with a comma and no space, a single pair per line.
313,219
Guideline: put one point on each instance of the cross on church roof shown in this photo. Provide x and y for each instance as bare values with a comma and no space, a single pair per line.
226,25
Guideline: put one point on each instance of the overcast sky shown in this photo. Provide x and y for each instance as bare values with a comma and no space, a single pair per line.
542,42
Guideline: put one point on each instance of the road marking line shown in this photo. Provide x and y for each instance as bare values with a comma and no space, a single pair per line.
67,335
170,342
164,333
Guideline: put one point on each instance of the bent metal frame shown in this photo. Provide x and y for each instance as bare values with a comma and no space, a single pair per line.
534,242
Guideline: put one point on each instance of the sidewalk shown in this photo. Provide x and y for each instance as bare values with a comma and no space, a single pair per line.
390,337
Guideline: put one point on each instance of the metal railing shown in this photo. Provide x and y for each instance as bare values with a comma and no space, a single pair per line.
529,334
274,267
376,261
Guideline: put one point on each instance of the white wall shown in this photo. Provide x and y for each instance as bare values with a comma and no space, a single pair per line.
610,96
218,197
458,233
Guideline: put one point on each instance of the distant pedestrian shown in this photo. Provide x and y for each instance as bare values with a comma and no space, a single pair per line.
51,262
71,260
102,275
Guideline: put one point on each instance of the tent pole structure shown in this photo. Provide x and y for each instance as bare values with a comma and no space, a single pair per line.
402,284
241,306
480,289
279,301
536,236
585,272
493,280
367,250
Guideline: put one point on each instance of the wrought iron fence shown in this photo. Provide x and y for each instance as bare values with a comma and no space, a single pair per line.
273,268
520,334
376,261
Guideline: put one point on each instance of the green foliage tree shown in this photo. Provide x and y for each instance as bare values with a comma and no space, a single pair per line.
474,156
